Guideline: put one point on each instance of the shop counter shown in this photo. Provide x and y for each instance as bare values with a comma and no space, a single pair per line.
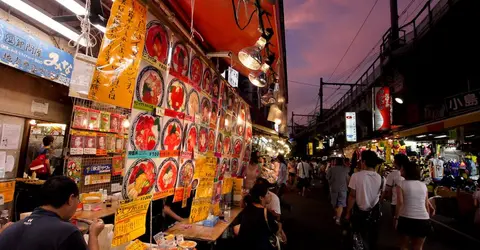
209,234
91,215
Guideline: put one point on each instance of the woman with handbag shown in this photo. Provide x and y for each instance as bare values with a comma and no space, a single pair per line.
258,227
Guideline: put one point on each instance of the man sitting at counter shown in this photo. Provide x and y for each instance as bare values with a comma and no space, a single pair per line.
175,212
48,227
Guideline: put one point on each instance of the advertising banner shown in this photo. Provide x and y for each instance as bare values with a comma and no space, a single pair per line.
382,108
351,126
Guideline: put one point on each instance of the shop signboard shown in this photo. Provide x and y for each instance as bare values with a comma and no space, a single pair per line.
232,77
463,102
351,126
25,52
382,108
98,169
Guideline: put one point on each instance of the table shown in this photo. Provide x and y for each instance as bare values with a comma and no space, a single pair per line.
209,234
91,215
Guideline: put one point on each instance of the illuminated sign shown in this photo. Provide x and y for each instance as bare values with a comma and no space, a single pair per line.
351,126
382,108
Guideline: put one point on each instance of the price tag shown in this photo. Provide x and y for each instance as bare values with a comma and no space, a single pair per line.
143,154
143,106
159,111
169,153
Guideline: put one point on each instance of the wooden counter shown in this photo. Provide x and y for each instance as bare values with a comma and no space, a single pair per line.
91,215
210,234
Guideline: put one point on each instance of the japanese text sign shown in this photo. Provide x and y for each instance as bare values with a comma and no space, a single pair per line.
462,102
130,219
200,209
119,58
22,51
98,169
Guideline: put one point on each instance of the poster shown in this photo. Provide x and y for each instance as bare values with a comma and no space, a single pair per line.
130,219
7,189
166,178
117,165
119,58
74,169
97,179
200,209
227,185
139,178
157,43
10,136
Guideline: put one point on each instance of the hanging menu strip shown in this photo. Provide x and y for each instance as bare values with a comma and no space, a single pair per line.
143,154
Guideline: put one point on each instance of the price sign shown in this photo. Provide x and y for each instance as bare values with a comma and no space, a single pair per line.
200,210
169,153
130,219
227,185
143,154
205,188
143,106
163,194
136,245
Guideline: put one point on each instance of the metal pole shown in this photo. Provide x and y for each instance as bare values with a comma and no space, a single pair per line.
321,99
394,23
293,124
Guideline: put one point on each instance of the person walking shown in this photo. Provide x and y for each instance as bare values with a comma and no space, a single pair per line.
393,179
292,172
337,177
413,209
363,208
303,169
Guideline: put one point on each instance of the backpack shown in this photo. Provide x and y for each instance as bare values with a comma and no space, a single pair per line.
39,165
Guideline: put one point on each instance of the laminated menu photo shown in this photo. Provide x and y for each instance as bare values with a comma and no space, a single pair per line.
90,146
93,119
80,117
76,143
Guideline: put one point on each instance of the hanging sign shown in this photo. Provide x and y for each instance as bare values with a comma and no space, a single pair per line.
463,102
97,169
130,219
119,58
382,105
25,52
351,126
200,209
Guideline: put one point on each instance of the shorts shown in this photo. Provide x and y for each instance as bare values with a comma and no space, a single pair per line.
339,199
414,227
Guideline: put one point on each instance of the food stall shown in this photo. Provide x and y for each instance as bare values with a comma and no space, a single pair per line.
160,120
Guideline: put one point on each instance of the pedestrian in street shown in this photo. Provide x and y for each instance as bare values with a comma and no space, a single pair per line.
292,172
364,209
413,209
337,177
303,169
282,175
393,179
476,203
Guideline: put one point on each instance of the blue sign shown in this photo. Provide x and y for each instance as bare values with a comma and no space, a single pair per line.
143,154
98,169
22,51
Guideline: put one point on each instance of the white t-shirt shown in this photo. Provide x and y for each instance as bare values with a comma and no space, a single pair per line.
437,168
301,167
414,194
274,203
367,188
393,179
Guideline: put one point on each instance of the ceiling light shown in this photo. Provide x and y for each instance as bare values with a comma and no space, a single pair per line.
258,79
33,122
45,20
421,136
251,57
440,136
399,100
469,136
78,10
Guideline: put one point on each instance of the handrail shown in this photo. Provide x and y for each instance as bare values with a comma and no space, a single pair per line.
370,75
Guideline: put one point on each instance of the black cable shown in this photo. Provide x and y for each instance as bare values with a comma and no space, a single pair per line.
236,19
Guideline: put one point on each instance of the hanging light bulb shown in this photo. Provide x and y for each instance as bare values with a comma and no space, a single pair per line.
126,123
258,79
33,122
251,57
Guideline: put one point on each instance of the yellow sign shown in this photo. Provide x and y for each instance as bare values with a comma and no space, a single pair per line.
136,245
216,209
227,185
205,188
115,73
7,189
200,209
310,148
163,194
130,219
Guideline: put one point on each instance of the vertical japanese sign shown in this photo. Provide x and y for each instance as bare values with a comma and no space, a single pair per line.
382,108
351,126
130,219
22,51
119,58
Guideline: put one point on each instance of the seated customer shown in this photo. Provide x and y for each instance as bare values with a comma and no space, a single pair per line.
48,227
174,212
272,202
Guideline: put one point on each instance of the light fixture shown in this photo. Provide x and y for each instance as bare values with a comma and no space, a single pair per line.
45,20
33,122
420,136
469,136
399,100
258,79
274,113
126,123
251,57
78,10
440,136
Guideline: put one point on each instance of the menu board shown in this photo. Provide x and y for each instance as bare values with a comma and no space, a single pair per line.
130,219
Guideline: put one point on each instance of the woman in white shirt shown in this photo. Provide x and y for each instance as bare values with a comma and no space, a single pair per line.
412,212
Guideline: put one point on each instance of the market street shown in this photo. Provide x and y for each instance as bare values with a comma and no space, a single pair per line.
310,224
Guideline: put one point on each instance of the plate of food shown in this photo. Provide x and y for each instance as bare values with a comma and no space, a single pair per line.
167,174
206,109
202,140
227,145
187,244
191,138
211,140
150,86
207,81
140,178
176,95
180,59
196,70
185,175
172,135
156,41
193,102
146,130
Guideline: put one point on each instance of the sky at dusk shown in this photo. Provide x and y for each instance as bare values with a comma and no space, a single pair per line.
317,34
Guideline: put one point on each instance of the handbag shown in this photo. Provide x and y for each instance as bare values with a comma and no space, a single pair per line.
273,238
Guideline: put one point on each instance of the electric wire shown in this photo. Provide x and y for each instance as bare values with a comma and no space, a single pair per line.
236,18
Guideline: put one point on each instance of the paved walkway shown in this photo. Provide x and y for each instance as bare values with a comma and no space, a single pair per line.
310,226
